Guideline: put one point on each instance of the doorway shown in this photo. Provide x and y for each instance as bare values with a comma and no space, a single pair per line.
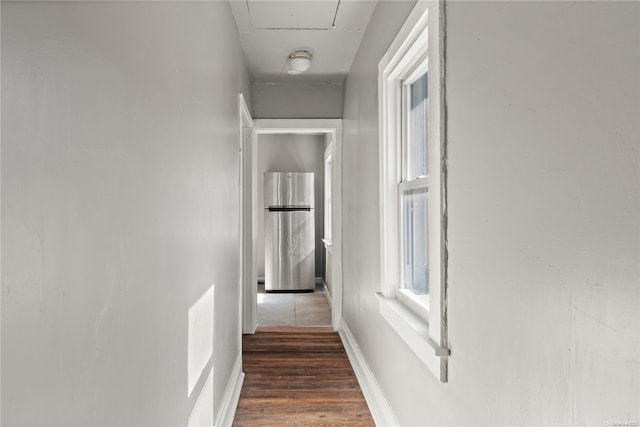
330,130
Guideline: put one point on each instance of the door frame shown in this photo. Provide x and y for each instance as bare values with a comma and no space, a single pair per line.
333,128
327,240
245,131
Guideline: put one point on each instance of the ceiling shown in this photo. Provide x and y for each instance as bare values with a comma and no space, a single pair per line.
331,30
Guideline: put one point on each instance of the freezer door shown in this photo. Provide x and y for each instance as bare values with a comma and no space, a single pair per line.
288,189
289,251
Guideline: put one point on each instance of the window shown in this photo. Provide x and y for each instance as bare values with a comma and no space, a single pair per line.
413,190
412,187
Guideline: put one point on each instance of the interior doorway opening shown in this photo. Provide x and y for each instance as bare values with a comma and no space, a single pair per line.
276,138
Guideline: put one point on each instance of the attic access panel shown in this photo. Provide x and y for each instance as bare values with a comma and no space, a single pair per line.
319,15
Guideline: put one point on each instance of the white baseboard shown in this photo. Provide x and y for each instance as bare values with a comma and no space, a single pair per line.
327,294
231,396
381,412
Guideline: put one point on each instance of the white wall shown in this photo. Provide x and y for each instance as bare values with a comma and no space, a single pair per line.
292,153
120,217
544,217
297,100
397,370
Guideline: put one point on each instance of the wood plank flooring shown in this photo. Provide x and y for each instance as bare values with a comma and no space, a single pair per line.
298,376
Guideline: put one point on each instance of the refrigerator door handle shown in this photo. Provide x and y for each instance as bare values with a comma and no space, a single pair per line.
288,208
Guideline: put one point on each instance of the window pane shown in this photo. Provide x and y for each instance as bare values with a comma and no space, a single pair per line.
416,256
417,127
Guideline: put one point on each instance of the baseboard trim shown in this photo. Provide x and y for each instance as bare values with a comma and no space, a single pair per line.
380,410
231,396
327,294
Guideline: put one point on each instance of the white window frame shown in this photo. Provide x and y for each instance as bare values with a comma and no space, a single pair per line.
418,45
418,66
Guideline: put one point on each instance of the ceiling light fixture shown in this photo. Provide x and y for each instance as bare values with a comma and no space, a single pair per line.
299,62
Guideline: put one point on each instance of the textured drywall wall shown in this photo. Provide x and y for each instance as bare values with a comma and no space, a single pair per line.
544,235
120,217
398,372
292,153
297,100
544,209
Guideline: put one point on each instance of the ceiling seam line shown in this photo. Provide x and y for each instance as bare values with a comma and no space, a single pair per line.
336,14
290,29
249,13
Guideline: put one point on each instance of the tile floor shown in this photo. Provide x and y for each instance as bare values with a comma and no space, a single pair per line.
295,309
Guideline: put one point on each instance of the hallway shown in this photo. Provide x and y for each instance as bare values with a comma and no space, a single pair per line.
479,234
298,376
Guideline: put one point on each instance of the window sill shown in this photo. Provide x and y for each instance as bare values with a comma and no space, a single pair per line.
419,304
414,331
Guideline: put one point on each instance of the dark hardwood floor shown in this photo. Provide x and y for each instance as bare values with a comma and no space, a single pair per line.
298,376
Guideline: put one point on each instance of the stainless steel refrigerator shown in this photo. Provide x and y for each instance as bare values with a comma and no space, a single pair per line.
289,226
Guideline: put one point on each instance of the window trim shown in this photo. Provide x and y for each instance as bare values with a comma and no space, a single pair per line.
412,301
419,45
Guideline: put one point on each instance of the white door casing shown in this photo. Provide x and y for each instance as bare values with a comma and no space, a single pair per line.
246,227
332,127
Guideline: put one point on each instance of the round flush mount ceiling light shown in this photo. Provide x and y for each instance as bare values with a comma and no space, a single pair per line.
299,62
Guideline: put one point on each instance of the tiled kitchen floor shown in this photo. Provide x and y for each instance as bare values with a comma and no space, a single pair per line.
295,309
